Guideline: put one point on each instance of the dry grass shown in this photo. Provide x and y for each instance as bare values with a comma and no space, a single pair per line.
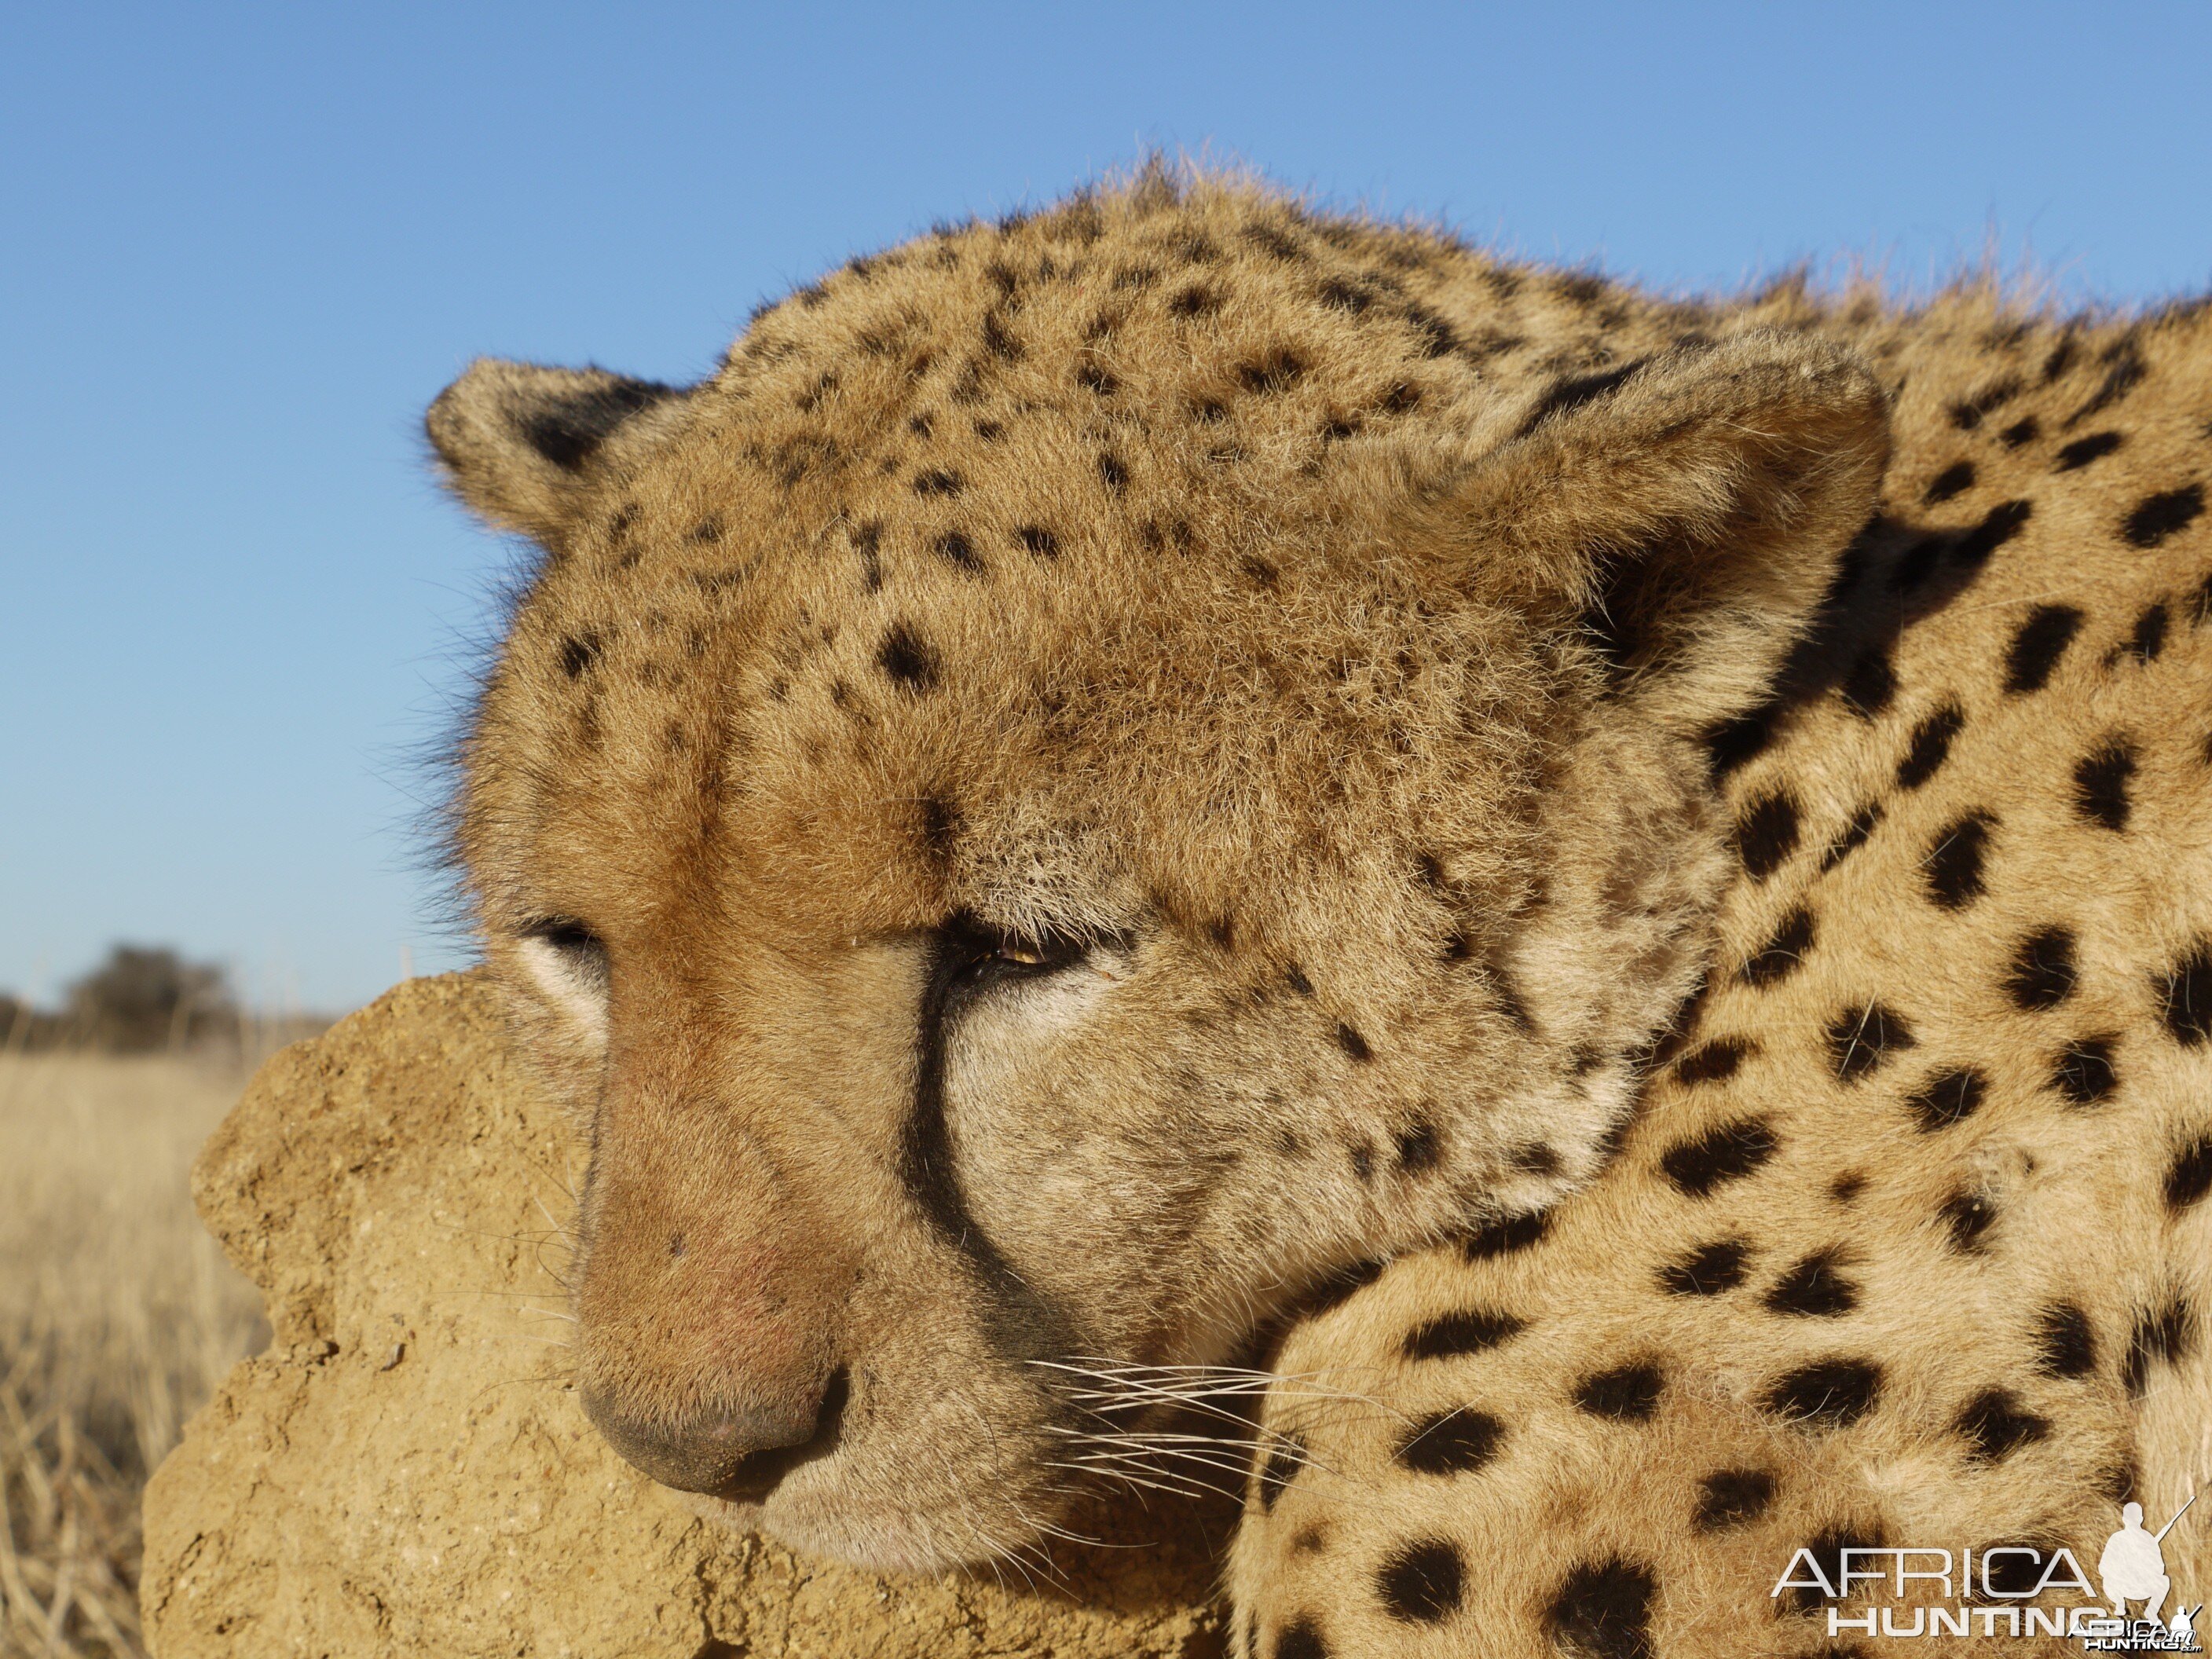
118,1315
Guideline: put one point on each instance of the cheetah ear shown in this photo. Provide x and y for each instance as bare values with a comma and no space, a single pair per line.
522,445
1685,513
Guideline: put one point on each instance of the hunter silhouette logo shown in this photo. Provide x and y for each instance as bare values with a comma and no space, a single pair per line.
1989,1590
2133,1569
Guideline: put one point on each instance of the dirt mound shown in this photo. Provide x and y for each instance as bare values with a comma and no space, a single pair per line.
405,1470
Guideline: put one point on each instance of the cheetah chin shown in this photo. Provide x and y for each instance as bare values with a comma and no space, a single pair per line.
1594,908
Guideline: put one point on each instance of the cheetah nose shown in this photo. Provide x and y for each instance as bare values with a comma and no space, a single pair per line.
731,1452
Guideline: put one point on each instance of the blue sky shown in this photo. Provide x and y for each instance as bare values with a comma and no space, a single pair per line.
242,248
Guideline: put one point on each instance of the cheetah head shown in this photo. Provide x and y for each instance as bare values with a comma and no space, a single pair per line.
1040,812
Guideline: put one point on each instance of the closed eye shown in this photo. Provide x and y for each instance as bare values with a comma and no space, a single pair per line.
987,954
571,962
567,935
977,955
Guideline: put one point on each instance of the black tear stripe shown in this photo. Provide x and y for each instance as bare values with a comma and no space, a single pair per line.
1021,1325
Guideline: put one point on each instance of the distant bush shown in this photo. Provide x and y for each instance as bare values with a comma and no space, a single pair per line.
143,998
149,999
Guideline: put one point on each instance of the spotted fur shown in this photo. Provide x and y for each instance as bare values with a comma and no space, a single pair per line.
1109,774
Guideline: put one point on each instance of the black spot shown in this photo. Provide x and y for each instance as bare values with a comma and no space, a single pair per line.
1422,1582
1535,1158
2061,358
2125,373
1832,1394
2078,454
569,435
2084,1073
1733,1497
2065,1345
1950,1096
1285,1458
1511,1003
1847,1186
2185,992
1603,1610
1418,1147
1278,371
958,550
1332,1292
1627,1393
1436,337
2157,517
2163,1333
1861,1039
937,481
1954,861
1038,540
1353,1043
2100,783
1268,240
578,653
2149,637
1295,977
1504,1237
1727,1151
1457,1442
1470,1330
2042,970
1707,1271
1362,1162
1815,1288
999,340
940,829
1766,834
1111,472
1869,685
867,541
1854,836
1999,525
1091,378
2036,649
2020,432
1343,296
1194,302
1967,1216
1953,480
1572,394
1918,562
909,663
2190,1177
1782,953
1733,742
1301,1639
1931,746
1714,1061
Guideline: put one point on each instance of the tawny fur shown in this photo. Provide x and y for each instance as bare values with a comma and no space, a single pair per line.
1353,662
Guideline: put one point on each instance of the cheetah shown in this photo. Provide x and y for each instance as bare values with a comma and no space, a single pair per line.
1604,895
